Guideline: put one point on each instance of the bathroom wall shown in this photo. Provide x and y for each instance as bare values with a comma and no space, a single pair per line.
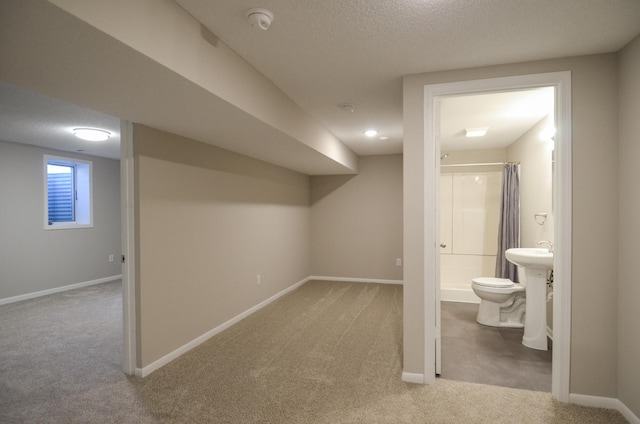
535,155
470,212
536,182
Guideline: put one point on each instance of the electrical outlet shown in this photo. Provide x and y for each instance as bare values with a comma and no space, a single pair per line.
398,261
258,280
110,258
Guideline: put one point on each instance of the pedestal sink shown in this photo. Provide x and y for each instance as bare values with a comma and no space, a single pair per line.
536,263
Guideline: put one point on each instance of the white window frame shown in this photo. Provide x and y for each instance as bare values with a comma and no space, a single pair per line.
84,190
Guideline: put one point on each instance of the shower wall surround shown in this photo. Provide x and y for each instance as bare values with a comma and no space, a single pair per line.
470,210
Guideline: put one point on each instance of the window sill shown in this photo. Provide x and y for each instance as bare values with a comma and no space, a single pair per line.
67,226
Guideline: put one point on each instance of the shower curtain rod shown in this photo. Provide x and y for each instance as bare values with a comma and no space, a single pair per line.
478,164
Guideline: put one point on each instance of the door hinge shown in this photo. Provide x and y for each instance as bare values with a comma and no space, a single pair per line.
122,259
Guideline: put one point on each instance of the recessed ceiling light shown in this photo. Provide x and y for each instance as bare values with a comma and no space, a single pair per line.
347,107
371,133
91,134
476,132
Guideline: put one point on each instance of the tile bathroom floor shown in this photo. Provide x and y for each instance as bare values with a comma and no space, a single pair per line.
496,356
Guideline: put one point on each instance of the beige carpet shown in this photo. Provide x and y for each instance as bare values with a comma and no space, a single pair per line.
326,353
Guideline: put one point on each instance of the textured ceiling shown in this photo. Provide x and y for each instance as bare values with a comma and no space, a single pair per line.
30,118
323,53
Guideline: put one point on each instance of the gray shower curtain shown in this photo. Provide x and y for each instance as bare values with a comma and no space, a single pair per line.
509,226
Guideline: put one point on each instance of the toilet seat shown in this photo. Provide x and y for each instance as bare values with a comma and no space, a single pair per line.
493,282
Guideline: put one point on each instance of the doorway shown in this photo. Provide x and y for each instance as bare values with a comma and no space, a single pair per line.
517,127
562,211
127,237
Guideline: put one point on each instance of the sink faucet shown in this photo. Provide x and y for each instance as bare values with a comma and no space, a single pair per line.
549,245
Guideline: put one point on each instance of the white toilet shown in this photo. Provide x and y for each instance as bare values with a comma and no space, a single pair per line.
502,302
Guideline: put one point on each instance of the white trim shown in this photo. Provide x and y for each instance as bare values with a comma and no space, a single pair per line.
627,413
143,372
409,377
593,401
355,280
436,231
47,292
604,402
549,333
128,246
561,365
458,295
562,203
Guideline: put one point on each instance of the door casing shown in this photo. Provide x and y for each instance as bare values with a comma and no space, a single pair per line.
561,81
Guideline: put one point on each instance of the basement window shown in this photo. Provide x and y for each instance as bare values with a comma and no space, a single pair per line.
68,193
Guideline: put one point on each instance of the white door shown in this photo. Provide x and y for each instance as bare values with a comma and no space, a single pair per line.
127,186
437,227
445,198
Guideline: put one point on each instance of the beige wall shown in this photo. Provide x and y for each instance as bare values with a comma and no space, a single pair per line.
629,228
160,30
33,259
356,221
210,221
594,297
536,181
536,189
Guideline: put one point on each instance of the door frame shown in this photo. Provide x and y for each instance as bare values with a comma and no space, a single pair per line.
562,201
127,236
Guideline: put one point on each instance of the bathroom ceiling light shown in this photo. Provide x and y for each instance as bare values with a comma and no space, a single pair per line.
476,132
371,133
91,134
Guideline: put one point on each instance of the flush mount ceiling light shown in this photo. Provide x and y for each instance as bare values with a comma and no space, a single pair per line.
91,134
260,18
371,133
476,132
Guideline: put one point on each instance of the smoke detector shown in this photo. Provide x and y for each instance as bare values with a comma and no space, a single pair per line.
260,18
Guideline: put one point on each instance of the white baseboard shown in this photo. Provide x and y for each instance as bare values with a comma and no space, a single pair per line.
603,402
355,280
41,293
459,295
143,372
409,377
627,413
